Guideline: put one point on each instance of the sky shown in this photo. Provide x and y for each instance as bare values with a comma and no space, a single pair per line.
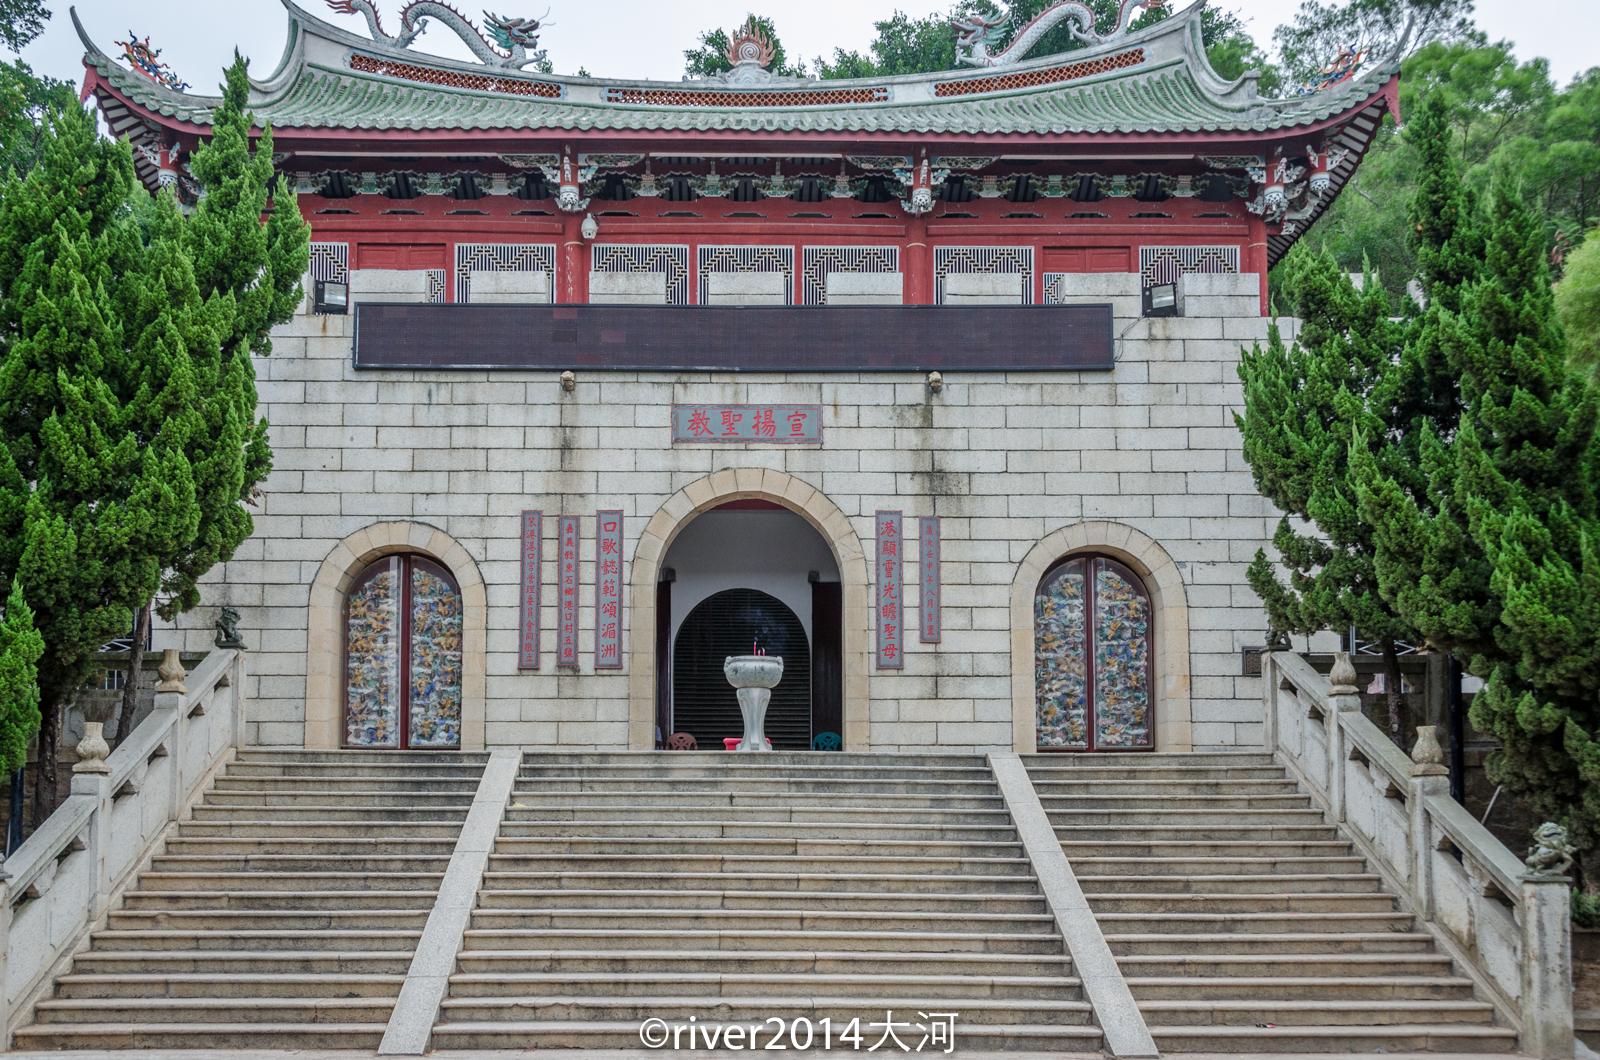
646,38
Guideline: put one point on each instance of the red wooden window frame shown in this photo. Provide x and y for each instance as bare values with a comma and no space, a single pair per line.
1093,563
407,561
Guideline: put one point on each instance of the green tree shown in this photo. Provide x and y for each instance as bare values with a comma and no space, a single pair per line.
20,22
1321,29
1578,302
20,648
25,99
213,286
711,56
1301,403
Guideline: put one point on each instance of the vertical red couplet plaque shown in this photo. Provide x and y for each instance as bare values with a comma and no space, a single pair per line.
567,634
608,591
890,578
528,623
928,563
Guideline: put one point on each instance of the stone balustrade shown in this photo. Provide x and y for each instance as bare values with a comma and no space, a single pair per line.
1508,927
59,883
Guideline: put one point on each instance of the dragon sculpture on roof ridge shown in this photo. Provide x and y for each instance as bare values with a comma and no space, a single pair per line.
511,43
976,36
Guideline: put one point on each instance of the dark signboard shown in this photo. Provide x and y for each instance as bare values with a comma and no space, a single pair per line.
608,591
930,605
890,579
734,338
528,623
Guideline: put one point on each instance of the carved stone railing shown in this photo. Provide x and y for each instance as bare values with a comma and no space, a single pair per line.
61,880
1509,927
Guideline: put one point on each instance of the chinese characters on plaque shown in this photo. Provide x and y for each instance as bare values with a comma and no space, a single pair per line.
608,591
567,612
532,554
888,575
928,562
748,424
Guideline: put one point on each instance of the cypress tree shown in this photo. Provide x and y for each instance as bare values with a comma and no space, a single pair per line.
1301,403
20,648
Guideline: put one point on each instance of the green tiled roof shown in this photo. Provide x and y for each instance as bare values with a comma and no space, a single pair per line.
1172,91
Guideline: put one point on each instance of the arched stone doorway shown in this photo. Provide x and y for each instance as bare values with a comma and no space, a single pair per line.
326,722
650,666
704,705
1158,576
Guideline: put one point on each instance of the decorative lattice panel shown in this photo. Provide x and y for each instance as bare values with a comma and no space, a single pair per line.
1056,287
1051,75
501,257
822,260
330,261
438,279
1166,264
747,259
967,260
647,257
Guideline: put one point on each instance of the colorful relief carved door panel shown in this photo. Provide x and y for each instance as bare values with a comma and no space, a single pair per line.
1093,659
402,673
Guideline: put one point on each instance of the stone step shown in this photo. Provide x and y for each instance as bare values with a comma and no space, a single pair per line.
215,1009
815,1005
301,798
319,939
269,879
406,786
1336,1038
1265,883
758,984
522,814
238,984
1163,832
1129,821
309,846
768,919
1196,922
1285,964
377,915
1314,1012
394,816
913,845
843,881
1146,787
656,789
738,768
743,864
375,769
1159,806
1309,942
1390,987
710,760
571,960
245,828
399,760
725,898
1207,849
710,800
1222,760
1000,832
1044,774
1158,906
200,1036
1052,1039
926,941
376,864
335,963
282,899
1088,867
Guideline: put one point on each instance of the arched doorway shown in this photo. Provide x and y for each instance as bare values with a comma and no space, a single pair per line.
403,656
1094,654
728,623
743,572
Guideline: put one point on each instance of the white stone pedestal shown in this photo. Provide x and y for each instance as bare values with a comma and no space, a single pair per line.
754,677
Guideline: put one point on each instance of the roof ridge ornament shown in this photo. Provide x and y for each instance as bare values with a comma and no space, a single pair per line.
146,60
511,43
750,53
977,35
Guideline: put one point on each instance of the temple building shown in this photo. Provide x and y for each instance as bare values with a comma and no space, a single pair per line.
925,384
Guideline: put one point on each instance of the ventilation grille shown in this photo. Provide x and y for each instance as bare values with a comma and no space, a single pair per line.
705,705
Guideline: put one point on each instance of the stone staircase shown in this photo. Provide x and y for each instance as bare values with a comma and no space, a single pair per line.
282,915
1241,921
730,889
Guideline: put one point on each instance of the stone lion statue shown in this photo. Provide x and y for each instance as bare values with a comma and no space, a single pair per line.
1552,851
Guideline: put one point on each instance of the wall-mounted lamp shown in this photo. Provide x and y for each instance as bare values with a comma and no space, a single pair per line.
936,381
1161,300
330,296
569,380
590,227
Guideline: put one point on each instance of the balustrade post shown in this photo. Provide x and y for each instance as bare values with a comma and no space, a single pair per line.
1547,1022
169,710
1269,700
1429,780
91,776
1343,695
